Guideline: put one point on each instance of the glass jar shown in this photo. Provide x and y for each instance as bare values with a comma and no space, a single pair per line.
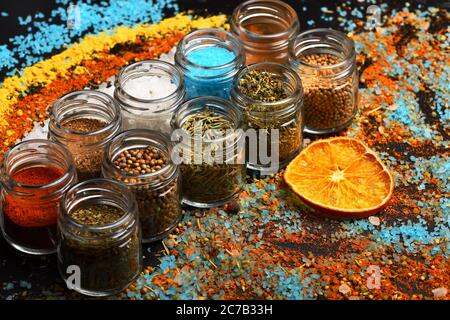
99,260
209,59
212,168
265,28
274,129
325,60
34,177
158,194
148,92
85,121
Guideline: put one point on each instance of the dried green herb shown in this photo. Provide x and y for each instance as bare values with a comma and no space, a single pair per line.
210,182
262,86
266,87
108,263
100,214
207,120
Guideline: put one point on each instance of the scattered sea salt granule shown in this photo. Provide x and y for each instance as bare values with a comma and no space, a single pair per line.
150,87
439,292
345,289
374,220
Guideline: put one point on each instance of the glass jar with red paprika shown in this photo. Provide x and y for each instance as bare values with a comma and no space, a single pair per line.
34,176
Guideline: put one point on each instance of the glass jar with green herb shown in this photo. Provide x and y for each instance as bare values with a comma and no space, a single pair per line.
210,150
99,239
271,98
141,159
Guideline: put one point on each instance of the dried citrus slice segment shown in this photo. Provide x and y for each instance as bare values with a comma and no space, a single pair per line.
340,177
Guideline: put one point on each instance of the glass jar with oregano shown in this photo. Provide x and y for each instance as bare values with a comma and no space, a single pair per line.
210,150
85,121
325,60
141,159
99,238
271,98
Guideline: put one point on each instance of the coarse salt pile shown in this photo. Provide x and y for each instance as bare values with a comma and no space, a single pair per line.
150,87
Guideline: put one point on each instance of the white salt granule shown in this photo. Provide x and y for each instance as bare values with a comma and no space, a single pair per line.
150,87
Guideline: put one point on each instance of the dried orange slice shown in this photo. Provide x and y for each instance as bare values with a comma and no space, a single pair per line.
341,178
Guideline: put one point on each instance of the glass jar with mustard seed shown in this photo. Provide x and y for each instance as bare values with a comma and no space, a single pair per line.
209,59
265,28
271,98
99,239
141,159
85,121
148,93
34,177
325,60
210,147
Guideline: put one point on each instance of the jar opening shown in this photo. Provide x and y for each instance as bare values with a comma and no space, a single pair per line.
132,80
287,75
85,104
323,42
99,191
34,154
216,105
222,45
140,139
267,19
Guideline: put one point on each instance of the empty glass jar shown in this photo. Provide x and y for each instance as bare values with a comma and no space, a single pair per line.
157,190
99,259
148,92
325,60
265,28
34,177
85,121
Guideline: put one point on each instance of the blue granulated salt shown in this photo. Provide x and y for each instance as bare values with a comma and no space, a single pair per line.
210,72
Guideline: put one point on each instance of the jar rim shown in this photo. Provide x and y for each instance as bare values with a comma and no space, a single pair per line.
171,71
182,60
68,172
102,181
295,95
110,100
215,101
343,38
161,137
293,27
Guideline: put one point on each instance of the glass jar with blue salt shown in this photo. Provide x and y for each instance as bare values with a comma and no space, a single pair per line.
209,59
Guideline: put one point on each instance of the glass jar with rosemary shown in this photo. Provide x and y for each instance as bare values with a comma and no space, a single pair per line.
271,98
99,237
210,150
141,159
85,121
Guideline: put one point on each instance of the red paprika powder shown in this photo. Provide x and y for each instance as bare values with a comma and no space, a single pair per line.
26,212
34,176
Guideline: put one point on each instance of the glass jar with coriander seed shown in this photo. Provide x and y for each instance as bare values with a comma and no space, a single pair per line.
85,121
270,96
141,159
148,93
99,238
265,28
209,59
34,177
325,60
210,147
